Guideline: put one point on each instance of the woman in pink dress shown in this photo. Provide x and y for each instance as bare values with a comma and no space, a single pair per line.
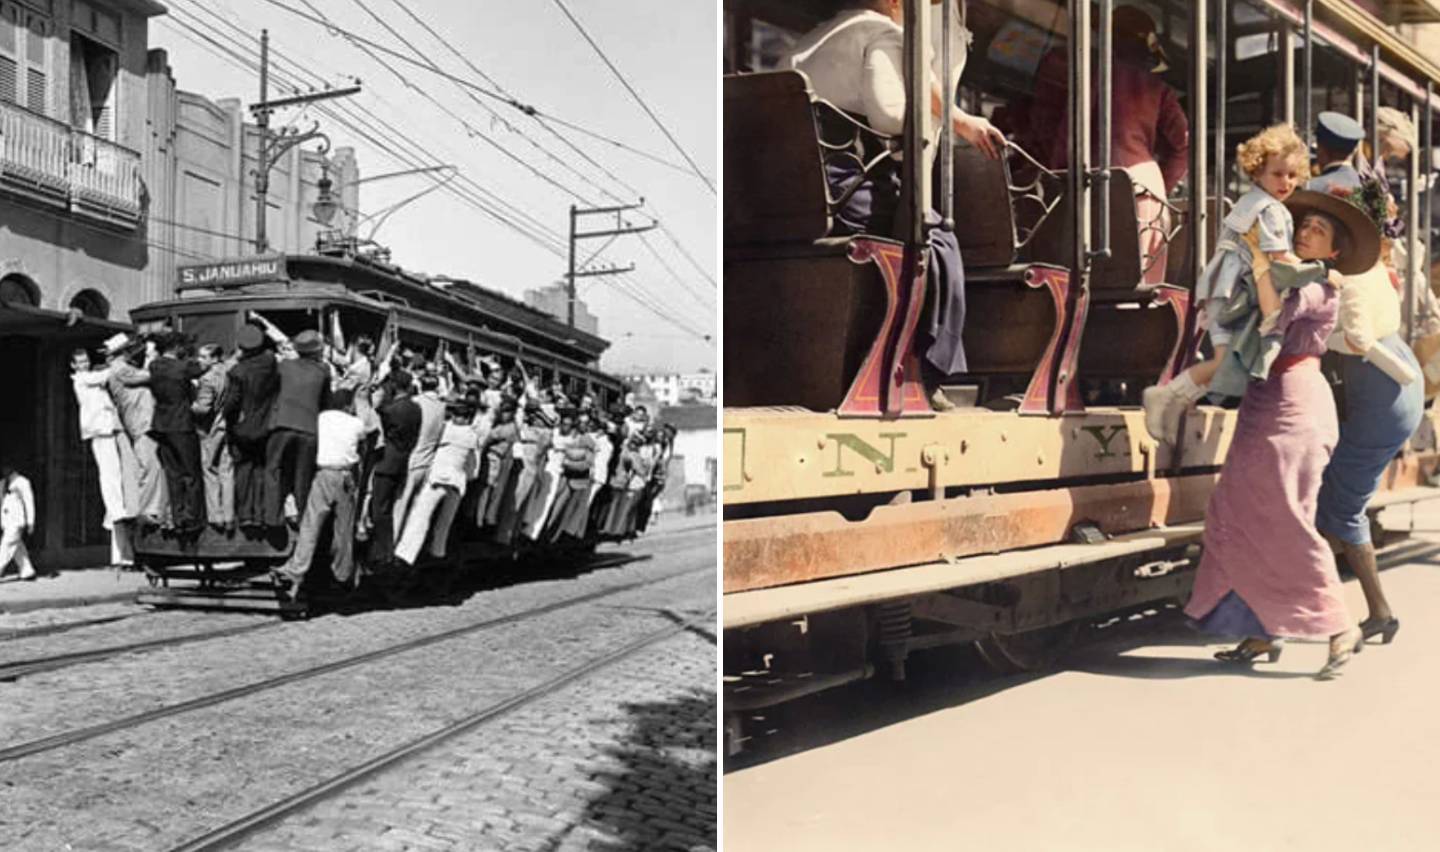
1267,573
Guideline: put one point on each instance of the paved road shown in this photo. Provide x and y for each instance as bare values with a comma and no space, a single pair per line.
1140,742
621,759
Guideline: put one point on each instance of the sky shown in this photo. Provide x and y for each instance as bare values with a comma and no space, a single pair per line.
666,49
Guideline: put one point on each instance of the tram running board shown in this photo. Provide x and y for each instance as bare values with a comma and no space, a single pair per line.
745,609
247,600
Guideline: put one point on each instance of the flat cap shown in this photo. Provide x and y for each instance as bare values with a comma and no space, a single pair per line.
249,338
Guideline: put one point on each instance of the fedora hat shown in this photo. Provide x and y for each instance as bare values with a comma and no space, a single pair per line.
308,342
1364,236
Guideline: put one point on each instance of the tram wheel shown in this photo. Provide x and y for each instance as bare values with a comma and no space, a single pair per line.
1033,650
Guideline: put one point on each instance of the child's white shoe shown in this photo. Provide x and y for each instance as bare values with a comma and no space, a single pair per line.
1165,404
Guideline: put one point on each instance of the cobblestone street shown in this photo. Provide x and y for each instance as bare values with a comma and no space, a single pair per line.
616,758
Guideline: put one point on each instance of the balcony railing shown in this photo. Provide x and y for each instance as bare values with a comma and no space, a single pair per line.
49,162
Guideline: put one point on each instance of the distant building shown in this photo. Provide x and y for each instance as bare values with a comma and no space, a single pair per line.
554,300
109,177
677,388
694,470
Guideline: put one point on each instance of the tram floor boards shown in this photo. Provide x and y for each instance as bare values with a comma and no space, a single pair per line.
232,832
77,735
21,668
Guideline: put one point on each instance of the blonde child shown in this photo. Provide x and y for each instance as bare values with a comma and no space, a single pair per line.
1274,159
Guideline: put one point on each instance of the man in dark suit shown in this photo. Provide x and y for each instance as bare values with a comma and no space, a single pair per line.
249,396
290,449
400,423
177,443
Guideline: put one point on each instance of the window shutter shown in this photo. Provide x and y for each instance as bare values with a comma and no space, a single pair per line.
35,91
105,127
9,79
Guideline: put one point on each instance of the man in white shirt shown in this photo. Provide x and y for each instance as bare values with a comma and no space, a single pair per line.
100,426
432,424
456,464
17,520
339,434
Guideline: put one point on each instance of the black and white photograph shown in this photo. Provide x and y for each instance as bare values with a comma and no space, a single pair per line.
359,439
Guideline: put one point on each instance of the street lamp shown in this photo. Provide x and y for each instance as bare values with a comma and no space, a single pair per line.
325,206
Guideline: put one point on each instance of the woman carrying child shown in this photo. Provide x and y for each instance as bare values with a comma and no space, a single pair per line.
1266,572
1274,159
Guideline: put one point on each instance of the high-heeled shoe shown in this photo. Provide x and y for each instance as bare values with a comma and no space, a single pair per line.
1247,651
1386,629
1349,647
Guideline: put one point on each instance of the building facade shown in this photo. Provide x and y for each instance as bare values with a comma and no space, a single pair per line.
555,301
109,177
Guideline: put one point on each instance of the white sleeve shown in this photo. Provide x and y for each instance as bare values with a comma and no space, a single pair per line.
27,496
882,89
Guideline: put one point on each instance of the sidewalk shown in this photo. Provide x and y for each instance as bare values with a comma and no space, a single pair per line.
76,587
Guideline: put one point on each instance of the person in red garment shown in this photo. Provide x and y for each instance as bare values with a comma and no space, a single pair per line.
1149,134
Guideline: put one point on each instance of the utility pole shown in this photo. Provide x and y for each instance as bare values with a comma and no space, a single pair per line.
270,150
621,228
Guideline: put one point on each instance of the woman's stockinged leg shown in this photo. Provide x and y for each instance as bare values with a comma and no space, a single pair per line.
1362,561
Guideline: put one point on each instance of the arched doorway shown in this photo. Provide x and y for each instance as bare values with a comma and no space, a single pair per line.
16,289
92,304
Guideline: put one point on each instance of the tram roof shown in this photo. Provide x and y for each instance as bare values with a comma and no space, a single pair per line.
452,298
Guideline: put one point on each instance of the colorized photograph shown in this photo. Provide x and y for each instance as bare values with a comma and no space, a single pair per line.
1077,424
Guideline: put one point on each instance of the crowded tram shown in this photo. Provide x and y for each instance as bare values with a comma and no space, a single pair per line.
1040,311
328,428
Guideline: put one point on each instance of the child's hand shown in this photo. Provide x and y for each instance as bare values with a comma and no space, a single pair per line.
1336,279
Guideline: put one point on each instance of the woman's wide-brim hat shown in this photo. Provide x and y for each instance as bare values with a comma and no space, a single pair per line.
1364,236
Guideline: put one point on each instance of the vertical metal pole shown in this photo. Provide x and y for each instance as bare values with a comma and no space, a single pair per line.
1079,185
570,277
1287,72
947,121
1412,227
1308,65
1358,96
1427,152
917,114
1106,55
262,164
1373,116
1199,122
1222,55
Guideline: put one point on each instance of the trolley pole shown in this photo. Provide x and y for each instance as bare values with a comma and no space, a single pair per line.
270,148
621,228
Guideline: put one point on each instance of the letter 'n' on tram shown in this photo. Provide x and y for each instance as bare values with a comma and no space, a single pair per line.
875,504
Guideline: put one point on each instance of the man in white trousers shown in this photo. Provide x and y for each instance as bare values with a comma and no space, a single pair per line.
100,426
17,520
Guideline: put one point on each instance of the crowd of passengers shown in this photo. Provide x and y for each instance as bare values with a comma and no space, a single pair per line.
392,450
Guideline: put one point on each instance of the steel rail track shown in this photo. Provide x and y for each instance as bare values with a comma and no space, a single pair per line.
247,825
20,668
63,627
14,670
78,735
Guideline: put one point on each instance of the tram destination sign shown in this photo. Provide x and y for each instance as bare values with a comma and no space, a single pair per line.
228,273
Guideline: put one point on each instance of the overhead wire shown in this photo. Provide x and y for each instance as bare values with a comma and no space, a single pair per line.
633,289
541,120
494,206
636,95
522,107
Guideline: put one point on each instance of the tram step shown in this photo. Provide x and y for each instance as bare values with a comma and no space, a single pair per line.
212,545
196,599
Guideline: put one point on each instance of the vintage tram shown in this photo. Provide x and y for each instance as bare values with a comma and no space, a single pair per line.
363,294
859,524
